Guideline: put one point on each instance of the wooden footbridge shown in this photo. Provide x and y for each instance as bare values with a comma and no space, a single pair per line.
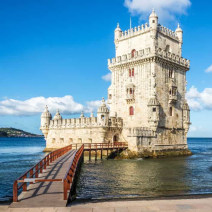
52,181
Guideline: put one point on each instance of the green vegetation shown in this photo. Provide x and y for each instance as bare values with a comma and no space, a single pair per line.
12,132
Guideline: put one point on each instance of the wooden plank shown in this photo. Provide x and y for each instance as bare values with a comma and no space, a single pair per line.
47,194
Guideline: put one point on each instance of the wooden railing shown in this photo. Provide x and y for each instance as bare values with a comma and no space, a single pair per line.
28,176
115,145
70,174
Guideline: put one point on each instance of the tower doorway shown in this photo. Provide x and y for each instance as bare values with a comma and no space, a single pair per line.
115,138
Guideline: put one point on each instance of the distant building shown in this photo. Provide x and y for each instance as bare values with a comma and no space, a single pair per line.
148,109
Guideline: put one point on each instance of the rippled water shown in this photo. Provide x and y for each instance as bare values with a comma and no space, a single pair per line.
117,178
149,177
17,155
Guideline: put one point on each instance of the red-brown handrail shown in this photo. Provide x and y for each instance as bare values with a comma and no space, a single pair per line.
115,145
36,169
70,174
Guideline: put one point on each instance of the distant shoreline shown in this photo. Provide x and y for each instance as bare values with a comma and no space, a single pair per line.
16,133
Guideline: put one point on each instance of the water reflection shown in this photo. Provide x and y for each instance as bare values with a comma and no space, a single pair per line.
149,177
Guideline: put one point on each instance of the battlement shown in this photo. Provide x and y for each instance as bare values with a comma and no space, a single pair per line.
84,122
128,57
168,32
147,53
74,123
134,31
144,28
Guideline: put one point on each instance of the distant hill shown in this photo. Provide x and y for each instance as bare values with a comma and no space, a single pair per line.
12,132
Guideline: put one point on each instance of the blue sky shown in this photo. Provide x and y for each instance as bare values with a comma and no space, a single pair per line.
59,49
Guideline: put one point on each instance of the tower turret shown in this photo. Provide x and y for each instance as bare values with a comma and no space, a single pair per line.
118,33
179,33
57,116
154,107
153,20
103,114
45,121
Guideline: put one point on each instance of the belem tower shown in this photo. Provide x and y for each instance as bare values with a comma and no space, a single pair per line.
146,98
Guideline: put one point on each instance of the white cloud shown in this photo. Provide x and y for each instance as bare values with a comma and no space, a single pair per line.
199,100
36,105
107,77
195,128
209,69
92,106
167,10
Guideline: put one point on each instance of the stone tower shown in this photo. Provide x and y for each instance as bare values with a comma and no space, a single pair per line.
148,87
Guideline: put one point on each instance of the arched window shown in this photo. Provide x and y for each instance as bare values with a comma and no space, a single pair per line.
129,72
131,111
133,53
132,72
170,73
170,111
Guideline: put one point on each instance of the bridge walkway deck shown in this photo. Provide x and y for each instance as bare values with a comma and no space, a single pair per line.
47,194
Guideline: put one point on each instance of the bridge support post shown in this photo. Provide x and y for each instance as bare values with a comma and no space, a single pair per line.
96,155
65,190
89,155
24,184
101,153
15,191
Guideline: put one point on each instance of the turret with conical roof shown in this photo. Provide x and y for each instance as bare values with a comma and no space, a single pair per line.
118,32
45,121
103,113
57,116
153,20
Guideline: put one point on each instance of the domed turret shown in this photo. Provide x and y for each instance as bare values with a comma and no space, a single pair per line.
153,20
179,33
57,116
103,113
154,111
118,32
103,108
45,121
82,115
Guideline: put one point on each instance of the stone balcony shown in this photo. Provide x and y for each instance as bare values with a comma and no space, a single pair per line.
172,98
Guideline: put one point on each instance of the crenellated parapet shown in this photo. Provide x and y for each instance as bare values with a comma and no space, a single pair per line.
127,58
74,123
133,32
147,53
173,58
84,122
168,32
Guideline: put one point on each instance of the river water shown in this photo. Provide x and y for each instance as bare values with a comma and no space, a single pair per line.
111,179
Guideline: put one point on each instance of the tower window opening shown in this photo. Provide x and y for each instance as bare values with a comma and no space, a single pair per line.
110,96
170,111
131,111
154,109
102,117
153,21
133,72
133,53
131,91
170,73
129,72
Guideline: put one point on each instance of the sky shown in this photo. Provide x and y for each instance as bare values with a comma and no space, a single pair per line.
55,52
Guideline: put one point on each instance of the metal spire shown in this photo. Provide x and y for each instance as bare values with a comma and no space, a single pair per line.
130,23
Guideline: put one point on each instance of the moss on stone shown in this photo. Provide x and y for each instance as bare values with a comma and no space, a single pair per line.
127,154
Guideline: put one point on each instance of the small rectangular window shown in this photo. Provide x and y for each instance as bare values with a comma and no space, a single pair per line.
133,72
154,109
